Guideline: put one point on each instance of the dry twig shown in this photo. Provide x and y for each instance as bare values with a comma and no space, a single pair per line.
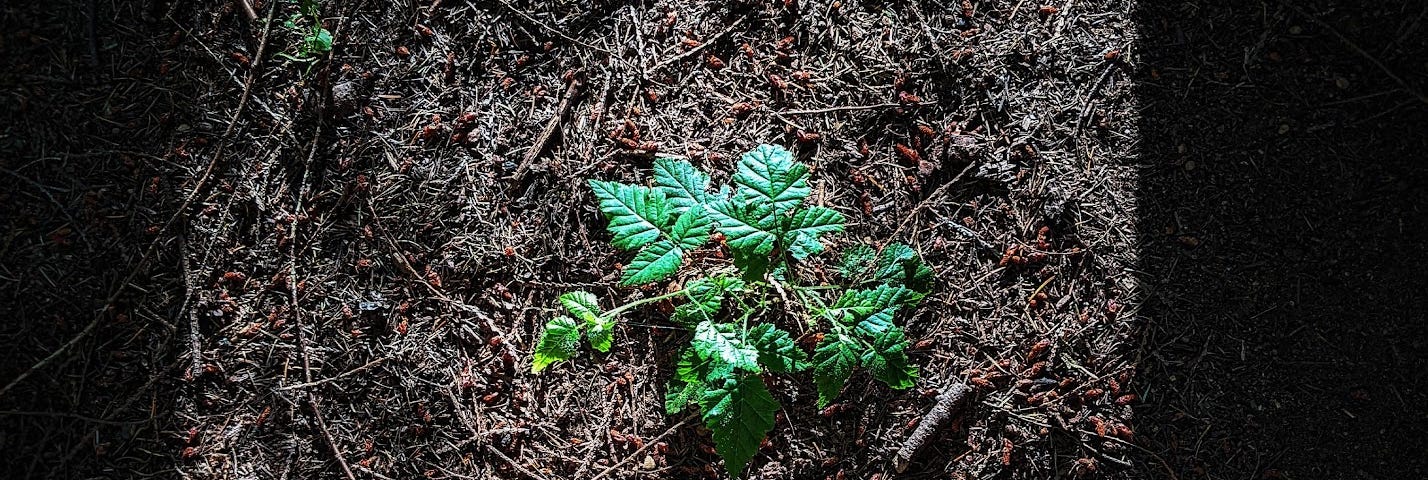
949,403
543,140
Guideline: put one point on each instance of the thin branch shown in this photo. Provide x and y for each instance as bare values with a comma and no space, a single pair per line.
331,443
333,379
637,452
543,140
850,108
701,47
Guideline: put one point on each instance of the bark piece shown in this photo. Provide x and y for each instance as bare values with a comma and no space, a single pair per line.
949,404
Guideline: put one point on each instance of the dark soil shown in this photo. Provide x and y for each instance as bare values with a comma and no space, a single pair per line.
1282,205
222,264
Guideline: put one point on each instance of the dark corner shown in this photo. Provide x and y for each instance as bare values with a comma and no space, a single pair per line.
90,297
1282,217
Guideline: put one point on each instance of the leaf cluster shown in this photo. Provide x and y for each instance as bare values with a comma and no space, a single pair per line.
316,41
766,224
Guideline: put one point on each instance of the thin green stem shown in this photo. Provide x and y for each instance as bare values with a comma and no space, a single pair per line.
623,308
813,287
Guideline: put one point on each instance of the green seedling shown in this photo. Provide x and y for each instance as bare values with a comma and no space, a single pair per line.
316,41
732,309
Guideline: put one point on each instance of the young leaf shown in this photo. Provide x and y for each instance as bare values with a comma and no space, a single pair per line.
601,334
689,315
692,228
688,382
685,186
777,352
706,296
747,226
899,264
582,305
833,363
721,346
887,360
770,174
558,342
805,226
856,260
727,283
877,322
740,412
636,213
679,394
654,263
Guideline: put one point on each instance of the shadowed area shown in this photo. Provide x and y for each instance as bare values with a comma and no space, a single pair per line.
1282,213
339,255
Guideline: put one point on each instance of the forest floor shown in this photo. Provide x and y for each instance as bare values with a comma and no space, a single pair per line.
1170,241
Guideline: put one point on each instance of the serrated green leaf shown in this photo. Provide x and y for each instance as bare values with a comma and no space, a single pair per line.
814,221
706,297
692,367
777,352
601,333
560,341
805,226
688,382
752,266
747,227
727,283
688,315
804,246
685,186
856,260
679,394
899,264
876,322
721,346
740,412
770,174
860,304
833,363
636,213
582,305
655,262
692,229
887,360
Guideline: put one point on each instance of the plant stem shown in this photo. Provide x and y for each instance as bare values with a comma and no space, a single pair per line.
812,288
622,308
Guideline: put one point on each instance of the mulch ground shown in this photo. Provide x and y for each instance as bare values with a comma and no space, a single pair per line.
246,267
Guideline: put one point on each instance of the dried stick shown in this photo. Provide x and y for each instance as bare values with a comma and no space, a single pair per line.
333,379
550,127
849,108
513,463
486,322
949,403
195,342
642,449
696,50
935,194
247,10
551,29
326,434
